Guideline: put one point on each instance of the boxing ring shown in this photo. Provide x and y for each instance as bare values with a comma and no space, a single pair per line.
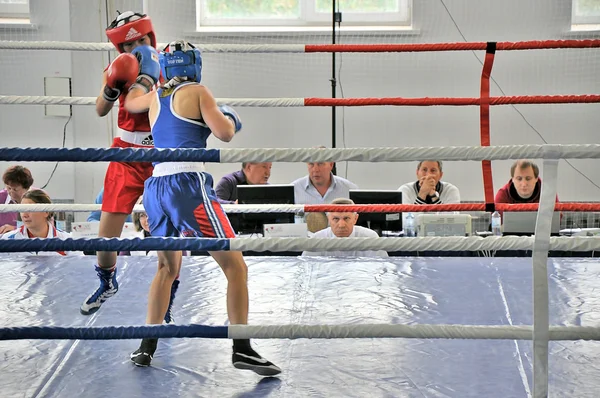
46,291
412,326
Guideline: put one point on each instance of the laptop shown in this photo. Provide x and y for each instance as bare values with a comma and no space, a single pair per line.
523,223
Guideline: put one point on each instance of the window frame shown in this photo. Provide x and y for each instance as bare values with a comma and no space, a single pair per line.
310,18
14,10
582,20
402,17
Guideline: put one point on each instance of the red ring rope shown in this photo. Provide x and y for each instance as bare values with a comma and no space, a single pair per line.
425,47
378,208
431,101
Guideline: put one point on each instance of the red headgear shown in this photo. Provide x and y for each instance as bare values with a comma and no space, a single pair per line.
130,26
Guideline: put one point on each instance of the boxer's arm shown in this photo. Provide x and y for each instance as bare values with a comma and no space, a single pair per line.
219,124
138,102
118,77
103,106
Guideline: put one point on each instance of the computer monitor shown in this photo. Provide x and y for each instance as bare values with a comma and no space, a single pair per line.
250,223
378,221
523,223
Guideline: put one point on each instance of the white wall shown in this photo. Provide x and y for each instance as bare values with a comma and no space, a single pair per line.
23,74
450,74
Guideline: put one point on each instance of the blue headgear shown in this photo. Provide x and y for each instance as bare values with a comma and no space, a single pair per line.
181,59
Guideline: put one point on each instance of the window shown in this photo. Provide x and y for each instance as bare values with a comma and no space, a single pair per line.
301,13
14,8
586,12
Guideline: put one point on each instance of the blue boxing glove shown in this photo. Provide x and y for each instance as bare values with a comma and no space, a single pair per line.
232,115
149,74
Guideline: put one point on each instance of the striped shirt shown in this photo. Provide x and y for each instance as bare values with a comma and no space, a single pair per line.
305,192
447,194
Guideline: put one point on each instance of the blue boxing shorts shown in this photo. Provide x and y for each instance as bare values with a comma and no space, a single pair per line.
185,204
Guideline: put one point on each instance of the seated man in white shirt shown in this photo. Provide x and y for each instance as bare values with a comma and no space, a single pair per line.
343,225
320,186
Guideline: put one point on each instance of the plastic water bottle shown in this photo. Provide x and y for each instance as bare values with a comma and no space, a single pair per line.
496,224
409,226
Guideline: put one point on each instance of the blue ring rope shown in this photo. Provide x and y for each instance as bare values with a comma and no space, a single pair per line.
113,244
112,332
109,154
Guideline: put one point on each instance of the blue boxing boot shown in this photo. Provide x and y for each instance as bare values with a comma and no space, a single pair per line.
108,287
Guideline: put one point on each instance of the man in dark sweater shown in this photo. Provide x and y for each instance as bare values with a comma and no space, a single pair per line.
250,174
524,186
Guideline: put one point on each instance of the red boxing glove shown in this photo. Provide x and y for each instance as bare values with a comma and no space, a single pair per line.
121,74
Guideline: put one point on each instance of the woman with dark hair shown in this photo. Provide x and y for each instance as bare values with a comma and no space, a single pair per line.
36,224
17,180
140,220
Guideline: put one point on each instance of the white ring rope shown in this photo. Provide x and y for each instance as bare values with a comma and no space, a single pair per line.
410,154
84,208
55,45
45,100
57,100
421,331
541,305
206,48
262,102
471,243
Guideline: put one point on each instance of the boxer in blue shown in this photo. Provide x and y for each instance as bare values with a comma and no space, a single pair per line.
179,198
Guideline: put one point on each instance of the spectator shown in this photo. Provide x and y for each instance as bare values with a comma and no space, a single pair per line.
250,174
343,225
17,180
37,224
140,221
429,189
320,186
524,185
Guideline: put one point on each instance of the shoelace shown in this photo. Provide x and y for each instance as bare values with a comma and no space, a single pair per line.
104,284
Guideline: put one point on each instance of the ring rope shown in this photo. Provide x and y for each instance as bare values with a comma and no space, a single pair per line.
421,331
317,48
471,243
453,101
311,101
300,209
239,155
484,121
541,301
